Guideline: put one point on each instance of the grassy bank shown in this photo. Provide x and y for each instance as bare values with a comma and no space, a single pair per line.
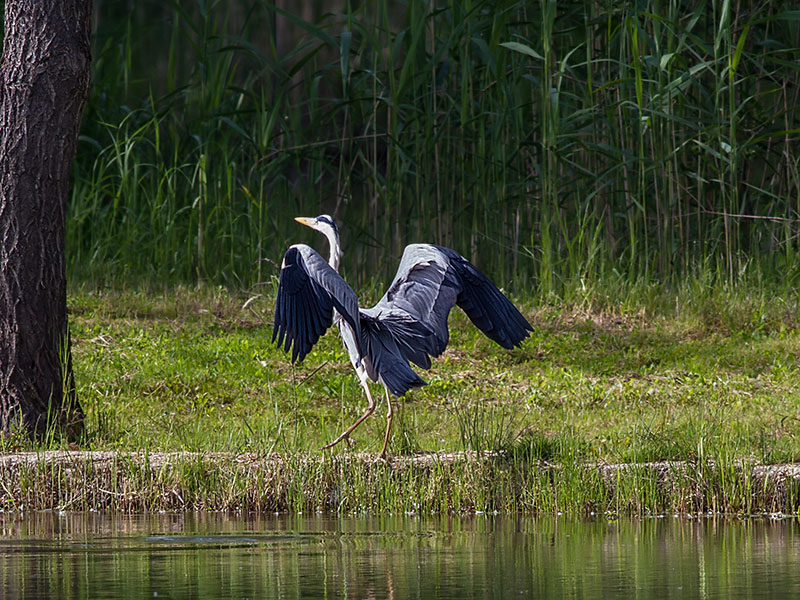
629,169
703,375
506,482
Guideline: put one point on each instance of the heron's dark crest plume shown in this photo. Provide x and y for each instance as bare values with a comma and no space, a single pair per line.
407,325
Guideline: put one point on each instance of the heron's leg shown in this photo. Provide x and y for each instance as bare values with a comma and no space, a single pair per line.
368,412
389,417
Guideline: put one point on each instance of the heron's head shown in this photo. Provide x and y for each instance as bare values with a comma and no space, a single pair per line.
323,223
327,227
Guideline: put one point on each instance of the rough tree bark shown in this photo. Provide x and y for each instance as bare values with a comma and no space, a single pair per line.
44,80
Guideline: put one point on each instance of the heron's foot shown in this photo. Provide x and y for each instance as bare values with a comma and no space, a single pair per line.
383,458
344,437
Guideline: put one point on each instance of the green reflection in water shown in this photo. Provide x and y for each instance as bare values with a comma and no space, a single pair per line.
198,555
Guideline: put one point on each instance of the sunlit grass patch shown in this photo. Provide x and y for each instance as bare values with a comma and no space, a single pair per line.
194,370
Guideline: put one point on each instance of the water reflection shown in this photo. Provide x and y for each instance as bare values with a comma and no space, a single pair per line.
201,555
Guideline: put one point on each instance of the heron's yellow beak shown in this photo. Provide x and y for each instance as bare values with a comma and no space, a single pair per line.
307,221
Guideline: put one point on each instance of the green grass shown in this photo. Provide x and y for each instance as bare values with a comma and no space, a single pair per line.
185,369
711,383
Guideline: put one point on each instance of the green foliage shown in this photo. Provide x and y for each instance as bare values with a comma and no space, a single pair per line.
709,383
557,145
673,380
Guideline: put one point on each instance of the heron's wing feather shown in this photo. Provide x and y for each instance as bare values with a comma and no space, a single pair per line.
485,305
308,292
429,282
426,288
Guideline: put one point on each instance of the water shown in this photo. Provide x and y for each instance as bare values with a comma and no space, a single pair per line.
201,555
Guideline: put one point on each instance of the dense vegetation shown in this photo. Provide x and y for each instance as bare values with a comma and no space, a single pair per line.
557,144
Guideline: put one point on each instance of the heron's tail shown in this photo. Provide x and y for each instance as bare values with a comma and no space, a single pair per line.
383,340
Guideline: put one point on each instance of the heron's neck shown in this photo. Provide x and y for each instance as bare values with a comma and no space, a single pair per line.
336,251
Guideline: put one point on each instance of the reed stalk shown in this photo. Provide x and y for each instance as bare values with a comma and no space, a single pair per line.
552,145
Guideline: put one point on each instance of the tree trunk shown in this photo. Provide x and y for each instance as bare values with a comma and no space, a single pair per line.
44,79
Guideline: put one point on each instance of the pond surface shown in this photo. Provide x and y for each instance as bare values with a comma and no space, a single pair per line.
201,555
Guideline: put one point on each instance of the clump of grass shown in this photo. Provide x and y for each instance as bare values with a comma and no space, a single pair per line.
485,426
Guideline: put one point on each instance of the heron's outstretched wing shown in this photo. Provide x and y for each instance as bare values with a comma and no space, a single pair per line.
485,305
429,282
308,291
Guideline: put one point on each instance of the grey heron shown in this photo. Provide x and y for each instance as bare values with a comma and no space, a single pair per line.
407,325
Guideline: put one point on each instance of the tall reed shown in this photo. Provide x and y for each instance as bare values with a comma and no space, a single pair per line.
550,142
